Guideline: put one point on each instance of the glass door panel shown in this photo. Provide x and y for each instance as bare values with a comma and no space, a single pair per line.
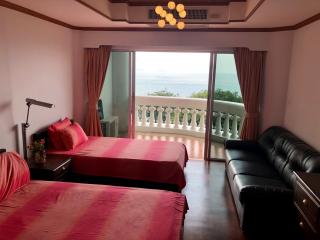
115,95
227,108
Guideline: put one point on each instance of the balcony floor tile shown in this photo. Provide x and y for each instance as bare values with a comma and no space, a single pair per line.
194,145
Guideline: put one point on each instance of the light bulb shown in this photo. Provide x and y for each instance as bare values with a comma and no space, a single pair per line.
158,10
169,17
180,25
171,5
180,7
183,14
161,23
173,22
163,13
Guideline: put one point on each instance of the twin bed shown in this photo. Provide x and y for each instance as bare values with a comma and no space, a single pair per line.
159,162
62,210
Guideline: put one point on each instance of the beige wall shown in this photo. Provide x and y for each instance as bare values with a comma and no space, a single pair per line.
277,44
36,60
303,99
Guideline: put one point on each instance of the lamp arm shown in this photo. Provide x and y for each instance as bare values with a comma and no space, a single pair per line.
27,120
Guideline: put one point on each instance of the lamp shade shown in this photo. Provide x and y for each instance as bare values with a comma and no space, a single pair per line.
158,10
161,23
163,13
171,5
38,103
173,22
180,25
180,7
169,17
183,14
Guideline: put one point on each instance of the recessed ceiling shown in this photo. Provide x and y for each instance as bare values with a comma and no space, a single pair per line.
135,13
185,2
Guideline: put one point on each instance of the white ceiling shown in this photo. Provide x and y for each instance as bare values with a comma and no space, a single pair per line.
272,13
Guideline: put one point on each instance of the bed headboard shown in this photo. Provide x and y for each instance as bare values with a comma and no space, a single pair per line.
2,150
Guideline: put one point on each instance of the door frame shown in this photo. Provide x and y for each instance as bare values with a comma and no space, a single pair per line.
210,103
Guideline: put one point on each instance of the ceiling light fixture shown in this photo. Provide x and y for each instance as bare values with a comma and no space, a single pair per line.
173,15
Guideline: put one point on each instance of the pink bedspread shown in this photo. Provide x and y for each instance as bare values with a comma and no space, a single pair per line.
56,210
154,161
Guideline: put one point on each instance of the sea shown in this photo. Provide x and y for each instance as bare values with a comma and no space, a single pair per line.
183,85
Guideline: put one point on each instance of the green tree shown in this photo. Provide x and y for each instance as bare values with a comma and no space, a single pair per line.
219,94
164,92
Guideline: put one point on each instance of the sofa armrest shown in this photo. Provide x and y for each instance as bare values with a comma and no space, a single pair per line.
242,145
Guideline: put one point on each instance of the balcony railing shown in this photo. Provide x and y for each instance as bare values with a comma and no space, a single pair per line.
187,116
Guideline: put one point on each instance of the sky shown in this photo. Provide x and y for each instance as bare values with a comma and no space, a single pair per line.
190,63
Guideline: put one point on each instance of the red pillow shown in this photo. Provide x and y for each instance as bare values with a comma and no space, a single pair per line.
73,136
14,173
54,133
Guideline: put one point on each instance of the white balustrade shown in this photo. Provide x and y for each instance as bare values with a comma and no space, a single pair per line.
160,111
173,116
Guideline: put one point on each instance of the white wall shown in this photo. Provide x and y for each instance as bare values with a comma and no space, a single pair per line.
303,99
35,61
278,46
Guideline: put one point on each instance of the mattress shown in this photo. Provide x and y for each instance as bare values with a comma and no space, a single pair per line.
154,161
58,210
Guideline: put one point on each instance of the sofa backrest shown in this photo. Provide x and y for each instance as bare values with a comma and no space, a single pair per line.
288,153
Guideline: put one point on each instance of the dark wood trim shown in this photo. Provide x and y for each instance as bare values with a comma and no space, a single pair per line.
18,8
34,14
156,29
185,2
254,10
307,21
250,14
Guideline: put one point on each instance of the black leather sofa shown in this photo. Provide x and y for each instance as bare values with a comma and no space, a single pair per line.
260,175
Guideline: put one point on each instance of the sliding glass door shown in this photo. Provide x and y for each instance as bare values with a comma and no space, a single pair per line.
226,113
187,97
116,96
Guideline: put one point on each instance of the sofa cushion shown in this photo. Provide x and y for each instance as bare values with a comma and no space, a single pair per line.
244,155
258,169
268,139
252,188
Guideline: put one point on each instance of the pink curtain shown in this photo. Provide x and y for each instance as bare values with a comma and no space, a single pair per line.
250,69
95,64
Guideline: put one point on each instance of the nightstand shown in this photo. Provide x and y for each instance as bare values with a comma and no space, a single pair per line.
307,202
56,168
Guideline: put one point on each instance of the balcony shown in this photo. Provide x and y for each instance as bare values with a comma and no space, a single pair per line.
186,117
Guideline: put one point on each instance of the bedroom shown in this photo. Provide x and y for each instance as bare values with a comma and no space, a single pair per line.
44,60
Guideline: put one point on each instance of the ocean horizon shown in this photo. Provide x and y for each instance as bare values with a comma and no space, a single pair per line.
183,85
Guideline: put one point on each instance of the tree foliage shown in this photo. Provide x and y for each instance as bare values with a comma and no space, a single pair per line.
164,92
219,94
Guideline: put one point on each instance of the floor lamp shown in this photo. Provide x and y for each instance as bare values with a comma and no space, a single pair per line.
25,125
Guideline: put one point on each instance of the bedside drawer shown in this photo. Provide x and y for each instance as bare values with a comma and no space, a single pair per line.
307,205
62,171
305,229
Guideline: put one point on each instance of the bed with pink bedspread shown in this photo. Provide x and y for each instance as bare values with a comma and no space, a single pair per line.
150,161
37,210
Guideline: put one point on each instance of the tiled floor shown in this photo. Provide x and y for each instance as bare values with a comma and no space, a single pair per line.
194,145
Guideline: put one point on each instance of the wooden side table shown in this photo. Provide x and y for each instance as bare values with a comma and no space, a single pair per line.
56,168
307,202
